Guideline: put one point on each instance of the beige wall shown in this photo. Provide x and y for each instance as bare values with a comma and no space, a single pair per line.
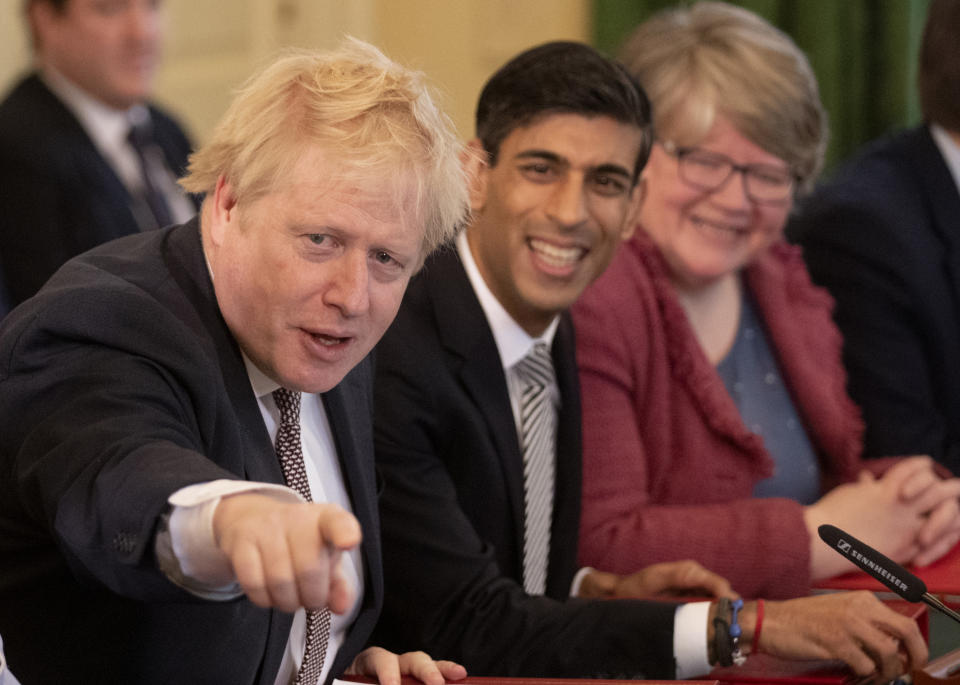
213,44
459,43
14,52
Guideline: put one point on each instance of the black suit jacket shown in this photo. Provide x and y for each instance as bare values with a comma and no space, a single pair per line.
452,505
4,297
58,196
884,237
119,384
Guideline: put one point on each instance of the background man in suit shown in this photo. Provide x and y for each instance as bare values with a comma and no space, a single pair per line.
884,237
145,536
84,157
479,523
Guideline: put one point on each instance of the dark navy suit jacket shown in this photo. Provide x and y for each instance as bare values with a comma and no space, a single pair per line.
884,237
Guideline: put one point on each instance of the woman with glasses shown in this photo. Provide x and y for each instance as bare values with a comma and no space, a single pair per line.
716,422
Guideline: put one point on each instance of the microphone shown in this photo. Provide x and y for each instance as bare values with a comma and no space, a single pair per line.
887,571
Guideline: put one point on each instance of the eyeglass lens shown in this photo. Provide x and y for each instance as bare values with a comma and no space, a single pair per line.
709,171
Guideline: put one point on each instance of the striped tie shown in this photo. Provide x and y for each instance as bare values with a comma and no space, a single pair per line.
290,454
538,437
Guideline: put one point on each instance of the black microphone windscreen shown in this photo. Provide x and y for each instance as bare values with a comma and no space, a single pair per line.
887,571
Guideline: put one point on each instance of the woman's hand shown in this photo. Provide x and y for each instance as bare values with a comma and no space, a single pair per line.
909,514
926,490
388,667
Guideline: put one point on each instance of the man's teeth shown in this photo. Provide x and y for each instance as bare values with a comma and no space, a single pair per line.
556,256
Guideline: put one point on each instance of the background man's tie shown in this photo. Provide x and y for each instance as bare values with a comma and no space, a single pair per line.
538,439
290,454
151,161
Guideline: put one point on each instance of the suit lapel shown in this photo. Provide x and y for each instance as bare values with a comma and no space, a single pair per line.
566,500
100,175
189,269
472,353
350,411
81,155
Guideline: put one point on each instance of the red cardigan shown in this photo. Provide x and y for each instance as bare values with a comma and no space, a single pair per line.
669,466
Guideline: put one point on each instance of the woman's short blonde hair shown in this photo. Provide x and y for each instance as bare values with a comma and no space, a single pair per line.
374,118
713,58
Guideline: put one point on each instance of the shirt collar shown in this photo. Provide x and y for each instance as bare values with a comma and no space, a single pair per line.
106,126
949,149
513,342
261,383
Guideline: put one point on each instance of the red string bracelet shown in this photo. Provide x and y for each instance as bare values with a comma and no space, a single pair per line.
755,645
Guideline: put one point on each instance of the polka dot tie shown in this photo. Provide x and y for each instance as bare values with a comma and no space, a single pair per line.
538,438
290,454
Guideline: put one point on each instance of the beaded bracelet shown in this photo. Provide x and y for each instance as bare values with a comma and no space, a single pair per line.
721,634
726,637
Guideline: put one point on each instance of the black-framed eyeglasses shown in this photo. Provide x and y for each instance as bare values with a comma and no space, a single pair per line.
705,170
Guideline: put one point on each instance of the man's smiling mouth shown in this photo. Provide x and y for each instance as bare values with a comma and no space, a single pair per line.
555,255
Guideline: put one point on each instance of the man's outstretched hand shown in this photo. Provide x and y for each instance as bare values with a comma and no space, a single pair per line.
287,554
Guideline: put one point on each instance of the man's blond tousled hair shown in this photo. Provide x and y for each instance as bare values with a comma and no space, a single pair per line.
713,58
372,118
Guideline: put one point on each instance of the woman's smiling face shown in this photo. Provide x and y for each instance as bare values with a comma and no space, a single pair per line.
708,234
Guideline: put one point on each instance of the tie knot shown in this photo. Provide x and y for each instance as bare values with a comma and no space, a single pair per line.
288,402
140,135
537,367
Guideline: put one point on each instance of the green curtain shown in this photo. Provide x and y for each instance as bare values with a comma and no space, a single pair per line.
864,53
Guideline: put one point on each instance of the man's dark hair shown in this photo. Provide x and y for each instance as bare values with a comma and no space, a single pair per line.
58,5
939,69
561,77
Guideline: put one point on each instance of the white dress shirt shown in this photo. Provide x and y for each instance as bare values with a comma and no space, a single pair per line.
199,565
949,149
513,344
6,677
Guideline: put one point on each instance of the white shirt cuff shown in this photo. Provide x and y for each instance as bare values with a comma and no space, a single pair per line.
188,553
690,639
578,581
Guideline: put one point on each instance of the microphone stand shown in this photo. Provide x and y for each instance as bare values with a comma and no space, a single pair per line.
930,600
941,671
944,670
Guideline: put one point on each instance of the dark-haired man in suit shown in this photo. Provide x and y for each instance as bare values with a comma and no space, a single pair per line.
84,156
478,417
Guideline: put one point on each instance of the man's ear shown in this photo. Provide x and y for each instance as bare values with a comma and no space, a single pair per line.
223,210
41,17
637,196
474,159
